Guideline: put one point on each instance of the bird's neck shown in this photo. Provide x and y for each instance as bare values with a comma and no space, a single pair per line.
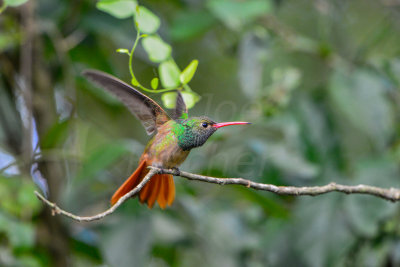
187,138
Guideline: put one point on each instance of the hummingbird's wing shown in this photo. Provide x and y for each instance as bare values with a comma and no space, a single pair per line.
180,111
150,114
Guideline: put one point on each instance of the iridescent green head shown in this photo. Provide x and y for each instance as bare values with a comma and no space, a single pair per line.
195,131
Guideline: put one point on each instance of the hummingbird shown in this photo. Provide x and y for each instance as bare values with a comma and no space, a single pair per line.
173,138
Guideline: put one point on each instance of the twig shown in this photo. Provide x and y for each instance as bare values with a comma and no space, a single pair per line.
133,192
392,194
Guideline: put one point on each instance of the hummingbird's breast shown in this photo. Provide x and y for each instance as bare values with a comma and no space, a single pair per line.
163,149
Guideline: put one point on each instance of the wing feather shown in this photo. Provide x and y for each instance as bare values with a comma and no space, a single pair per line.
180,111
150,114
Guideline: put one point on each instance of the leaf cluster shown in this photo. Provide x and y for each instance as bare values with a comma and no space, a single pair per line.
159,52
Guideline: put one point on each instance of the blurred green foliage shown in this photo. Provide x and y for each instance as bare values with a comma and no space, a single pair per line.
318,79
158,51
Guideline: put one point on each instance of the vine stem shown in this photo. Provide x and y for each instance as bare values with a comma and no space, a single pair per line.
138,37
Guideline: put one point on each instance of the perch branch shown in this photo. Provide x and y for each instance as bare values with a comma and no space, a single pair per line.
133,192
392,194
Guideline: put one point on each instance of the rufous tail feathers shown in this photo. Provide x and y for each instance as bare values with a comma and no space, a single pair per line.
160,188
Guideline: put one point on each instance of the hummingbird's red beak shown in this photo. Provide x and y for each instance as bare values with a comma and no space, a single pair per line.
223,124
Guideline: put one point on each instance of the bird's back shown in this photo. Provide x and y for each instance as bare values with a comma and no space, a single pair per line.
163,149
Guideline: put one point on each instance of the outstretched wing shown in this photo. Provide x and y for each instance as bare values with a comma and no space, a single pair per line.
144,108
180,111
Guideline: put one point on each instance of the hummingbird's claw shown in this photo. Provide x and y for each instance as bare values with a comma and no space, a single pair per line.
176,171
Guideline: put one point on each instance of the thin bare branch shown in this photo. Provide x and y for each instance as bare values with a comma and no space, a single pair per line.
133,192
392,194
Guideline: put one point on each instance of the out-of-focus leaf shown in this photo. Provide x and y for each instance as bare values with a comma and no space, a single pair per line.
126,234
237,13
252,54
187,74
394,70
118,8
372,255
190,24
56,135
154,83
147,21
27,199
7,40
123,51
288,160
4,222
169,74
288,78
86,243
21,234
16,196
322,233
15,3
360,97
100,159
269,205
29,261
226,235
156,48
166,229
190,98
169,99
366,212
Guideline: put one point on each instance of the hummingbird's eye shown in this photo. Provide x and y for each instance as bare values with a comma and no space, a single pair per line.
204,124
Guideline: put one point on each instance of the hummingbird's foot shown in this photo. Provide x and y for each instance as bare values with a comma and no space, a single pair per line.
176,171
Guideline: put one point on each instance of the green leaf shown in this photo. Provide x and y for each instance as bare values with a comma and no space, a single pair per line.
123,51
169,74
237,13
27,200
156,48
154,83
187,74
15,3
57,134
118,8
134,81
169,100
29,260
16,196
8,40
23,235
190,99
146,20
